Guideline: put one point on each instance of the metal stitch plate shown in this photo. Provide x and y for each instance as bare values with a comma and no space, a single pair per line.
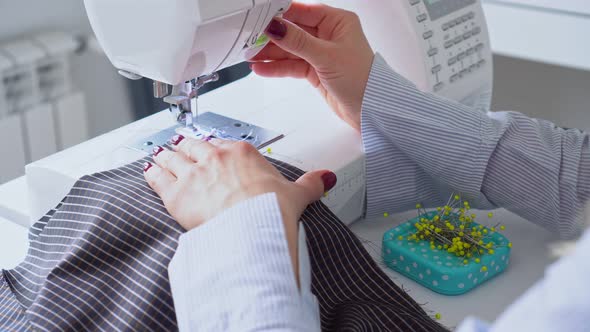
224,127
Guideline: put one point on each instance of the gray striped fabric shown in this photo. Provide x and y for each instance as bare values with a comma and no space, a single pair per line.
99,262
420,148
12,314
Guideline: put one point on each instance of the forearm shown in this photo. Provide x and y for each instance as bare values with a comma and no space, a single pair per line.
235,273
417,146
421,148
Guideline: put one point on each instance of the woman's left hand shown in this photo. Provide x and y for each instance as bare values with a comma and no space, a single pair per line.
200,179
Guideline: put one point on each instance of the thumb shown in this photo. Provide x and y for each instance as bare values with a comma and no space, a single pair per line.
297,41
315,184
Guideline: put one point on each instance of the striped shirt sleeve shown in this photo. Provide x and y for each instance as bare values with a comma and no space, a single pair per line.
234,273
421,148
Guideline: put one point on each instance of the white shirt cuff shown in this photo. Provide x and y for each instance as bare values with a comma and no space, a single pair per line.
235,273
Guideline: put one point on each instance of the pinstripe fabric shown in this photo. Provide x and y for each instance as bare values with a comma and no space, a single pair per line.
12,314
420,148
99,262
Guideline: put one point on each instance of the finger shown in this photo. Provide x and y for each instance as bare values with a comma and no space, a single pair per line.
283,68
311,15
295,40
272,53
315,184
194,149
160,180
312,31
287,68
220,143
174,162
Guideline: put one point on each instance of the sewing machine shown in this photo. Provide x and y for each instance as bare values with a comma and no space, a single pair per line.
272,116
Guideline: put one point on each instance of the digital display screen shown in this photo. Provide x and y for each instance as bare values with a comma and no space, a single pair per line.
439,8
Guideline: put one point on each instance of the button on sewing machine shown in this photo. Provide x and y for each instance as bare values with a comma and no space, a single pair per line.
439,86
436,69
428,34
421,17
433,51
414,2
452,61
449,44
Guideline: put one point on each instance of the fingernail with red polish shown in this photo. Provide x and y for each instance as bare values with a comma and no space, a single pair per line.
158,150
329,179
177,139
147,167
277,30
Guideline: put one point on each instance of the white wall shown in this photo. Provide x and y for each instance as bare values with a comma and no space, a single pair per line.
108,102
107,98
558,94
22,16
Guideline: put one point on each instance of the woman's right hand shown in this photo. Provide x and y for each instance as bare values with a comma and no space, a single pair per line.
326,46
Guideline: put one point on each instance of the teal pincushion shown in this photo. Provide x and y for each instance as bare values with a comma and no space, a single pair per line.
437,269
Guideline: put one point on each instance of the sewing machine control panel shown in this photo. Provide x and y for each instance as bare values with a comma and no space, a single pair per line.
455,42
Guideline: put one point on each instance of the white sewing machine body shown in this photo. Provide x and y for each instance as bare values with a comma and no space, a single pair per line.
174,41
313,138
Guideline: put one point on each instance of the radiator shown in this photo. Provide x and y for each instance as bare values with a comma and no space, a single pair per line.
41,112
